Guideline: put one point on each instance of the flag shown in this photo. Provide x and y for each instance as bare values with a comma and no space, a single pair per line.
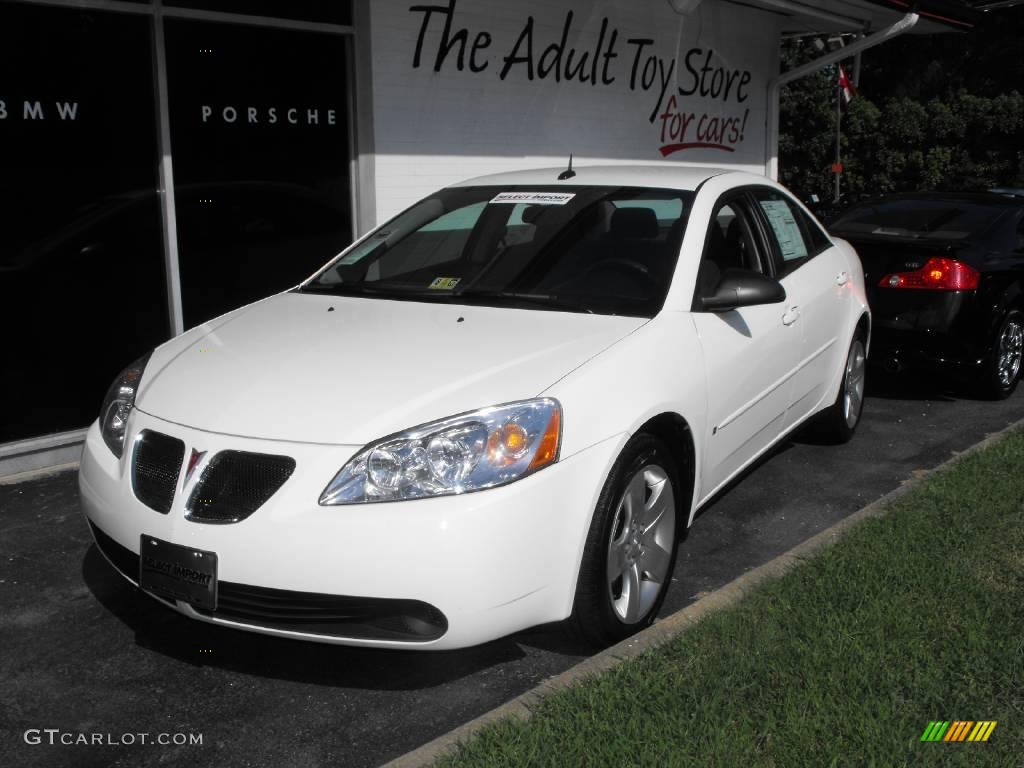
847,90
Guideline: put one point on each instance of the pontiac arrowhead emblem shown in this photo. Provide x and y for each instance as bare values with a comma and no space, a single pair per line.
193,461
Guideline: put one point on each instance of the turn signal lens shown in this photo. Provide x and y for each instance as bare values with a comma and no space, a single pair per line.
547,451
938,274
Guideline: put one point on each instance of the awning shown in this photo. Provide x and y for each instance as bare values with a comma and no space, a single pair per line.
828,16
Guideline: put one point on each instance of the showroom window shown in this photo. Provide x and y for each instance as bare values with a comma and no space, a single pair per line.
82,286
239,111
330,11
260,145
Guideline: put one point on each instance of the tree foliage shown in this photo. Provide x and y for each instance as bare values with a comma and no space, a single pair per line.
933,112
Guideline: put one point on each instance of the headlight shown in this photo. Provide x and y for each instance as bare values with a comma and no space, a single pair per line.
469,452
118,404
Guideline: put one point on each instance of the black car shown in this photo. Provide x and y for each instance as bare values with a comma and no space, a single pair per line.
945,279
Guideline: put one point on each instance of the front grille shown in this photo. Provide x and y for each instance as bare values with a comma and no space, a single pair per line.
363,618
235,484
156,463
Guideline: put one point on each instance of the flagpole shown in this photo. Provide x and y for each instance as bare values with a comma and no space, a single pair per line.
839,119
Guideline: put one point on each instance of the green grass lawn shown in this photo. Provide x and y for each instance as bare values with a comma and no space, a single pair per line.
915,616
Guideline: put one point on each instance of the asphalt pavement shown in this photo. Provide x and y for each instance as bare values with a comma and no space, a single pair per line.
86,658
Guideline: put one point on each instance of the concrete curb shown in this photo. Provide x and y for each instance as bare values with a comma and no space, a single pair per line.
35,474
672,626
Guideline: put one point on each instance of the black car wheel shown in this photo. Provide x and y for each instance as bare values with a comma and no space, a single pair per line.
1002,371
630,551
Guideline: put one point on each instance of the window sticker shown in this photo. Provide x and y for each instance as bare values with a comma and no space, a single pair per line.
786,229
534,198
444,283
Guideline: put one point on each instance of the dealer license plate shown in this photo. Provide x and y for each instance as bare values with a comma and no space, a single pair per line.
175,572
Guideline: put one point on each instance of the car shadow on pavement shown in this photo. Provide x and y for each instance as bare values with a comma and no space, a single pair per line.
913,386
776,450
161,630
554,639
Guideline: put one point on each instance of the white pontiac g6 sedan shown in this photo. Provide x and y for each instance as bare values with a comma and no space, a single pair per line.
499,409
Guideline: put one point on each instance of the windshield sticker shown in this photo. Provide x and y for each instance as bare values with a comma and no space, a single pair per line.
445,283
534,198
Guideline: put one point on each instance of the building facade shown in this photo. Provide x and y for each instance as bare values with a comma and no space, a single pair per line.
165,162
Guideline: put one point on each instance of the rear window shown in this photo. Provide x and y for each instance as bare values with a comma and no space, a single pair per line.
939,219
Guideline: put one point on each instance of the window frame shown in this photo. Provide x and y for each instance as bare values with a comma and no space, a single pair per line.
742,201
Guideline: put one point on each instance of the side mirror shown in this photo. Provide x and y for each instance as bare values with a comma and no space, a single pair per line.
743,288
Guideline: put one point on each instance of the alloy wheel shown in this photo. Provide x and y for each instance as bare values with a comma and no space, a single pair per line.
853,393
1011,344
641,543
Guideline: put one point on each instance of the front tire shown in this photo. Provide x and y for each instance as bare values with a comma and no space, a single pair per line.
630,553
839,421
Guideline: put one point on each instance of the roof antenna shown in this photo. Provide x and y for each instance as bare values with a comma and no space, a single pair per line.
568,173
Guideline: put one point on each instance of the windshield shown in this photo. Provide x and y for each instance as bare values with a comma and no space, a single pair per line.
928,218
606,250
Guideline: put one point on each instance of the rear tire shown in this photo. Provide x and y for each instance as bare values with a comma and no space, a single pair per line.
1002,369
839,421
630,552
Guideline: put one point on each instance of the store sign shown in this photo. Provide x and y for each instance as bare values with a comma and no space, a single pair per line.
692,97
29,109
463,88
246,115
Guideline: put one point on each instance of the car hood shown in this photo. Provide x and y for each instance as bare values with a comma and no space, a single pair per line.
343,370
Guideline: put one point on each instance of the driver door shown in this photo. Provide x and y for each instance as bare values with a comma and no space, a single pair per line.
750,353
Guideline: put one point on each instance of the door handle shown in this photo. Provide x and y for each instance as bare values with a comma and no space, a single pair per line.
791,316
842,278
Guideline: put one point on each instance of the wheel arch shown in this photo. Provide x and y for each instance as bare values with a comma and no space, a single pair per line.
864,326
675,432
1011,298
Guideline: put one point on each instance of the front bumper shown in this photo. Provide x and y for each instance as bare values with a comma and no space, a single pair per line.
436,573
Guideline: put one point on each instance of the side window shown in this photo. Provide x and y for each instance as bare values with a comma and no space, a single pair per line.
730,244
816,237
796,237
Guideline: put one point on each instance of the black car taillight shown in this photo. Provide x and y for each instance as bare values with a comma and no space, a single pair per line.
938,274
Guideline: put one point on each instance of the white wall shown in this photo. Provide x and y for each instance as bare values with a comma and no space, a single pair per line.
436,122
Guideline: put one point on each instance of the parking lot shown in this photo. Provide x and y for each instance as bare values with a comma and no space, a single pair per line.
85,653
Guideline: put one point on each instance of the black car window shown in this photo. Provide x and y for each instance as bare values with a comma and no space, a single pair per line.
919,218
